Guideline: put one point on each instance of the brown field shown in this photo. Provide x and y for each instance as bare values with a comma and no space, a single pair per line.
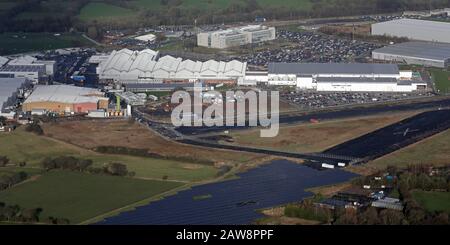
93,133
317,137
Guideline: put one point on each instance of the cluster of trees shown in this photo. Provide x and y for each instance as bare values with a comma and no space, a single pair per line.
3,161
84,165
66,163
177,14
34,128
307,210
8,180
121,150
15,213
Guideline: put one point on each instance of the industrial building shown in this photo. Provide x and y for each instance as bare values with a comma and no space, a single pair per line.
421,30
236,36
3,61
11,90
126,66
418,53
152,87
28,67
353,77
65,99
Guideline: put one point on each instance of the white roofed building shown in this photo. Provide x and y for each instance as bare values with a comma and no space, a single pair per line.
127,66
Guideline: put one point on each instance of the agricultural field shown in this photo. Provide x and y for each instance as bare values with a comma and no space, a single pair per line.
317,137
21,146
104,11
78,197
11,43
433,201
441,79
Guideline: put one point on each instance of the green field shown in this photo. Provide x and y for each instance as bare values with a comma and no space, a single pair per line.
103,11
11,43
22,146
78,196
433,201
441,79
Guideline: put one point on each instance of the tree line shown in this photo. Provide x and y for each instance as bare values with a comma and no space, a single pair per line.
174,13
15,213
85,165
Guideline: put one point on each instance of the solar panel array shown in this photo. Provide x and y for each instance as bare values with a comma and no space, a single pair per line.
234,201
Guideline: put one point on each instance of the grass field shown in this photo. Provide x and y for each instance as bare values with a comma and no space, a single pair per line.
11,43
78,196
433,201
22,146
434,150
104,11
441,79
317,137
91,134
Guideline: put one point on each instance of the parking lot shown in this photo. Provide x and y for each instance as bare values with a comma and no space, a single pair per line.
312,47
314,100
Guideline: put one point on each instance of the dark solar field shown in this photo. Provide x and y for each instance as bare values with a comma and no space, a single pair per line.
395,136
234,201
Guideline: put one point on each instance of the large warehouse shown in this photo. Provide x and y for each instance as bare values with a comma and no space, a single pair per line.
10,91
236,36
418,53
126,66
28,67
353,77
422,30
65,99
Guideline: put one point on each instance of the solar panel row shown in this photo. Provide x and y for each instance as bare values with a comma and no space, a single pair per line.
234,201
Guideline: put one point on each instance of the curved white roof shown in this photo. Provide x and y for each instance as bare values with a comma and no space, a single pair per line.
126,65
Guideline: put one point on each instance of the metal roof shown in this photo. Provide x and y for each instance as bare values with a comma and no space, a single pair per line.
422,50
145,64
64,94
8,86
414,29
158,85
3,61
357,79
332,68
40,68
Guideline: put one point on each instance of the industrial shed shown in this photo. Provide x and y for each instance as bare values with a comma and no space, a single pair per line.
127,66
10,90
418,53
65,99
351,77
423,30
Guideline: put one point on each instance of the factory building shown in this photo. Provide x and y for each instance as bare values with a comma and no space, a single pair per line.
11,90
418,53
421,30
65,99
126,66
28,67
340,77
236,36
3,61
152,87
